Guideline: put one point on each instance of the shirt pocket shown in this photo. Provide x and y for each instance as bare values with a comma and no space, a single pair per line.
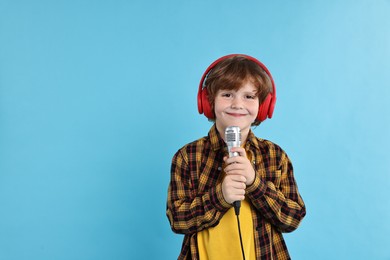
273,176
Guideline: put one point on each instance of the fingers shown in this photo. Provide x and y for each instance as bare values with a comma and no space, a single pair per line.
233,188
237,166
237,180
241,155
240,165
241,151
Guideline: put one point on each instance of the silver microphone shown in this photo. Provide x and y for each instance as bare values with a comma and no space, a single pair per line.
233,139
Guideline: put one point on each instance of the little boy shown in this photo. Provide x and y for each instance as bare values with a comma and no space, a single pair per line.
236,90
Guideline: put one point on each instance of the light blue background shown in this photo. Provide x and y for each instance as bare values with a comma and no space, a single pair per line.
97,96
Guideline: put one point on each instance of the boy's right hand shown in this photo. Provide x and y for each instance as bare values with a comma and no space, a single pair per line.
233,188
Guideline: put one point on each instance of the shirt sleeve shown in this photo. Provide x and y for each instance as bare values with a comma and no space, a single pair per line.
275,195
187,210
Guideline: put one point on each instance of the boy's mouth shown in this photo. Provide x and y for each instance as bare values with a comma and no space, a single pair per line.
236,114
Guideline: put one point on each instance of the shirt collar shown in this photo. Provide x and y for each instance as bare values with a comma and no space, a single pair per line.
215,139
252,141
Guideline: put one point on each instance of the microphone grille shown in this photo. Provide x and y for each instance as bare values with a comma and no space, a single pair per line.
233,134
231,137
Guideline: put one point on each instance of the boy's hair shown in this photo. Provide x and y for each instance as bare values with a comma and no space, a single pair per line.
232,73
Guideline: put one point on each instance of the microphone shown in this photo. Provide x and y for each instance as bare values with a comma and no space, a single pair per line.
233,139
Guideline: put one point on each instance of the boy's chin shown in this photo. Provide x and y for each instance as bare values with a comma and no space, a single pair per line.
241,125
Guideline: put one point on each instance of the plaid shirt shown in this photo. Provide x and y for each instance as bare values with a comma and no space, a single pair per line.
195,201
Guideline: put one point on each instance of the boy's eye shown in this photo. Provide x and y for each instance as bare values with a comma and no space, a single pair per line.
226,94
250,97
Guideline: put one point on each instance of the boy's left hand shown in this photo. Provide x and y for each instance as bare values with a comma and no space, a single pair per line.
240,165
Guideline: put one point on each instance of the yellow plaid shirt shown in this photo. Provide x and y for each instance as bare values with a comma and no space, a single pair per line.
195,201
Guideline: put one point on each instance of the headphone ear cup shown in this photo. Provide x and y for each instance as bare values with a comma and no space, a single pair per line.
206,104
271,106
200,105
264,108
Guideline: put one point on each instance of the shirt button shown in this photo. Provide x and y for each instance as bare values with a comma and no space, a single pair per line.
219,168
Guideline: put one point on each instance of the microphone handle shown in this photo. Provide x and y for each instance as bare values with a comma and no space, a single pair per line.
236,204
232,154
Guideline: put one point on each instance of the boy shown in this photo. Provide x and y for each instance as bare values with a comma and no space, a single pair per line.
236,90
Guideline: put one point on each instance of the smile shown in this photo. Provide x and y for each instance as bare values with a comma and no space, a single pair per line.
236,114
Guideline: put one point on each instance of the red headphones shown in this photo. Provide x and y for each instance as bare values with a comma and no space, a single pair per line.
266,108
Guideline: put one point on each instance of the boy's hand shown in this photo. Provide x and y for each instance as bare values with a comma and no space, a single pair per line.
233,188
240,165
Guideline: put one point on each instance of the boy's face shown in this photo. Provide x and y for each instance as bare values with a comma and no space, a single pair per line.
236,108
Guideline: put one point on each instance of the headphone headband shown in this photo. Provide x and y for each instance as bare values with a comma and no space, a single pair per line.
266,108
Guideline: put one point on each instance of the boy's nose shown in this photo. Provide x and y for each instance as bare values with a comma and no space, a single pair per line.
236,103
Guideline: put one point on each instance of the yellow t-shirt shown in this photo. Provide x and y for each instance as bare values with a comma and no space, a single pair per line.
223,241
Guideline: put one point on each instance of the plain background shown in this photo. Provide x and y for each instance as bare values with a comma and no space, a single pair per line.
97,96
